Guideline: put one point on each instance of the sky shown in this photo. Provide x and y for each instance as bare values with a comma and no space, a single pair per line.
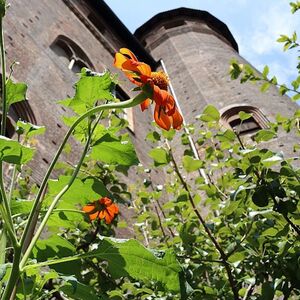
255,24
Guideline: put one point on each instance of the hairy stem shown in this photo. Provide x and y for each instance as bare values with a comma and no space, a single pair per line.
126,104
59,195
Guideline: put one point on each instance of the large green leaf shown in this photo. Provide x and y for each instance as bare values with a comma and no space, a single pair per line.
77,290
56,247
52,247
13,152
89,89
113,150
29,129
133,259
21,206
130,258
15,92
80,192
68,213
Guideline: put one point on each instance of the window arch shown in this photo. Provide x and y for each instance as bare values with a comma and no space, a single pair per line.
74,57
17,111
127,112
231,119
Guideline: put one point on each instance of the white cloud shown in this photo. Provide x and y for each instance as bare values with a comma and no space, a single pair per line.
276,19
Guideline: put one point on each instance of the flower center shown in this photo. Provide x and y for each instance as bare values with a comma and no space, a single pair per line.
160,79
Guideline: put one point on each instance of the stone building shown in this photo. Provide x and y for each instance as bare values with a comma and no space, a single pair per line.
54,39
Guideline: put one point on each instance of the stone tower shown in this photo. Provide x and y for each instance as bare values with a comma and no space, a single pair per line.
54,39
196,49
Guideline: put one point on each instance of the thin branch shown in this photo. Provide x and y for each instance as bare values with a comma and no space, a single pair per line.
223,257
161,226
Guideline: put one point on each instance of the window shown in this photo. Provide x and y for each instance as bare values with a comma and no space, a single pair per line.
127,112
257,121
17,111
71,54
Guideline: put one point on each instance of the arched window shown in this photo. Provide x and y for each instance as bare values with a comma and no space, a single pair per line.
231,119
127,112
17,111
71,54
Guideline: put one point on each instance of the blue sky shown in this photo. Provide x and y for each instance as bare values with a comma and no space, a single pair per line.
255,24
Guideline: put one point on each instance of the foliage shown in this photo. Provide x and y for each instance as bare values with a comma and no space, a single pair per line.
221,223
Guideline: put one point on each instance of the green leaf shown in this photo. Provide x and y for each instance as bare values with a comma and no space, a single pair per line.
227,136
264,135
244,116
153,136
89,89
16,92
160,156
52,247
209,114
169,134
56,247
190,164
283,38
81,192
296,97
13,152
29,129
77,290
112,150
21,206
265,71
236,257
265,86
130,258
273,160
261,196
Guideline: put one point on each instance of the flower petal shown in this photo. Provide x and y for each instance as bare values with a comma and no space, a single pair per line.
94,216
127,52
138,67
161,119
105,201
120,59
177,119
89,208
145,104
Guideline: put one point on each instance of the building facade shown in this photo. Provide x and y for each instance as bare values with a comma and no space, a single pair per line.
54,39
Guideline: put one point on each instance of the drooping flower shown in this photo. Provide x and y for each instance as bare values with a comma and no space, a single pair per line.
166,114
103,208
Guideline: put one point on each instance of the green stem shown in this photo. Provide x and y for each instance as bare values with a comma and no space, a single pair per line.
12,184
9,227
58,261
126,104
3,64
14,275
132,102
57,198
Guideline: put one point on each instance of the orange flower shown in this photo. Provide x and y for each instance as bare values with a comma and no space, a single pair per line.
102,209
166,114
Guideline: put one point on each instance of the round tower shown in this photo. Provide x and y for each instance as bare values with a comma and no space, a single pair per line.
197,49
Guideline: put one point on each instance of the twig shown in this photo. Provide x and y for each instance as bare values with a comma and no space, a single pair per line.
223,257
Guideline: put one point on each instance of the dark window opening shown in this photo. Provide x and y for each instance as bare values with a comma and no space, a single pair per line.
10,129
244,127
120,94
254,123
